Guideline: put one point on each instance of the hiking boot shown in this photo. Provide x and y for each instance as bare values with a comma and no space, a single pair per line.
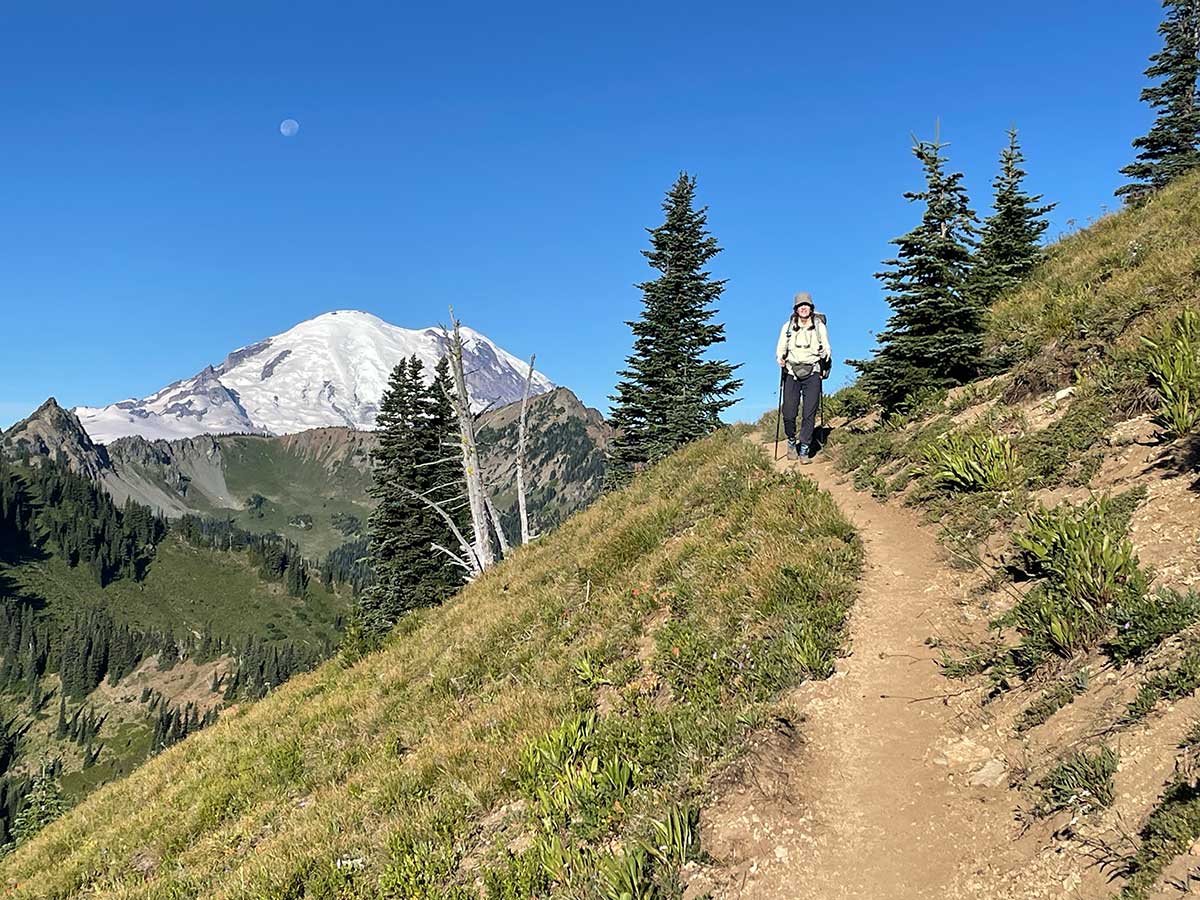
804,455
792,454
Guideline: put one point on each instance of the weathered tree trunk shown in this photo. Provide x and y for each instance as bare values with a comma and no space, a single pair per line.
470,451
521,456
495,515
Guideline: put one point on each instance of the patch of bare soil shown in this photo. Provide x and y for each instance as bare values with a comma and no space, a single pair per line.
185,682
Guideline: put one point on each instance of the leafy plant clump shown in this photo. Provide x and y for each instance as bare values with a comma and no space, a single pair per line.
1082,553
1083,781
1174,366
1086,570
1169,831
1062,694
972,461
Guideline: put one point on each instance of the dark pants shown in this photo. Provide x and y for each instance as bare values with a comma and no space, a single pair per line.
794,389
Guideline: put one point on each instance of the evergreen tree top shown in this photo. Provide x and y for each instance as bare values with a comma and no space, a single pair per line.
938,250
1172,146
670,392
1009,245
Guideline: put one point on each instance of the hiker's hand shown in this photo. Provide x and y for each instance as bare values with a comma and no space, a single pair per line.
782,363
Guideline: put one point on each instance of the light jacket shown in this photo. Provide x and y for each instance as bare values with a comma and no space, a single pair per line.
805,346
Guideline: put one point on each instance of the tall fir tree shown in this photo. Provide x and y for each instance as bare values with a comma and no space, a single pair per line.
415,455
439,477
1010,240
934,337
671,391
1172,146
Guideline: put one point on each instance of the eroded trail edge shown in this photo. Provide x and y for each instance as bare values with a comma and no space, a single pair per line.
887,786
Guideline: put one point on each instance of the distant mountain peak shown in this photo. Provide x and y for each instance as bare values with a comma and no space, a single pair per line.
50,431
330,370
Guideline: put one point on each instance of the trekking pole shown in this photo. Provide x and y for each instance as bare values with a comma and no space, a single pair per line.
779,412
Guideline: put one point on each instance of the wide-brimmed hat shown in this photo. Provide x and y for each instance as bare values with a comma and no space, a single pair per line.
803,298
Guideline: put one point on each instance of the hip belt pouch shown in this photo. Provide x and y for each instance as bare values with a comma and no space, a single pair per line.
801,370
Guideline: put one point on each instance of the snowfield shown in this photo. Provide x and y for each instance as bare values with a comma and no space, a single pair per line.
330,370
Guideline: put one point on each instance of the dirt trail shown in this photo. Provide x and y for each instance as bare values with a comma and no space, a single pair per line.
880,793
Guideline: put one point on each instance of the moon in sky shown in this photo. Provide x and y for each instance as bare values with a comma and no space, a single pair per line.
289,127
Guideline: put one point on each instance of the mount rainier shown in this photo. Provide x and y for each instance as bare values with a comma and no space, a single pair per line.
330,370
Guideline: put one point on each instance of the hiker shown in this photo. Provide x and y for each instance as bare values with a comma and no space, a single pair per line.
804,357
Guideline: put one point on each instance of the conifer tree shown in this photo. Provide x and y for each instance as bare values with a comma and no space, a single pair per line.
440,479
1010,240
934,336
393,466
415,454
1172,146
671,392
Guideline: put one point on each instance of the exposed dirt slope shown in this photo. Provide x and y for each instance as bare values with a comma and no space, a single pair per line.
890,786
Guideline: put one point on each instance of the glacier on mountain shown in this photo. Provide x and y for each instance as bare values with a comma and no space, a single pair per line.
330,370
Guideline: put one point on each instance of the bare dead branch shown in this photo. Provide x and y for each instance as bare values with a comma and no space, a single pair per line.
499,529
458,535
523,512
470,451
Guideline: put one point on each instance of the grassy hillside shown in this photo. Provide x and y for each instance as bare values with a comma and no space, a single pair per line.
294,484
536,733
1101,289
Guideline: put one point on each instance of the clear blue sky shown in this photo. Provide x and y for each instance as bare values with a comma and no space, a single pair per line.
506,159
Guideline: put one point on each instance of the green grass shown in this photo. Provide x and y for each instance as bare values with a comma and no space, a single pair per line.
1051,701
1082,781
188,588
1169,831
293,485
1180,680
698,594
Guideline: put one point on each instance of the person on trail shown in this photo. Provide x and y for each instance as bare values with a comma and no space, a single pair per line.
805,360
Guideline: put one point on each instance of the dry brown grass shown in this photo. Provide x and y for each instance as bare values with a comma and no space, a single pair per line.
1102,288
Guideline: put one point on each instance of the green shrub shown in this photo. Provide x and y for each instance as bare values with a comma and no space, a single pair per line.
1181,680
971,461
1083,781
1174,365
1169,831
851,402
1051,701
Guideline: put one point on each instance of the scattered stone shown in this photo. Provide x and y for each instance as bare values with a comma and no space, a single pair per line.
993,774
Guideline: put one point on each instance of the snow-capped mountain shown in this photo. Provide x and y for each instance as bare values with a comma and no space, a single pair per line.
331,370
